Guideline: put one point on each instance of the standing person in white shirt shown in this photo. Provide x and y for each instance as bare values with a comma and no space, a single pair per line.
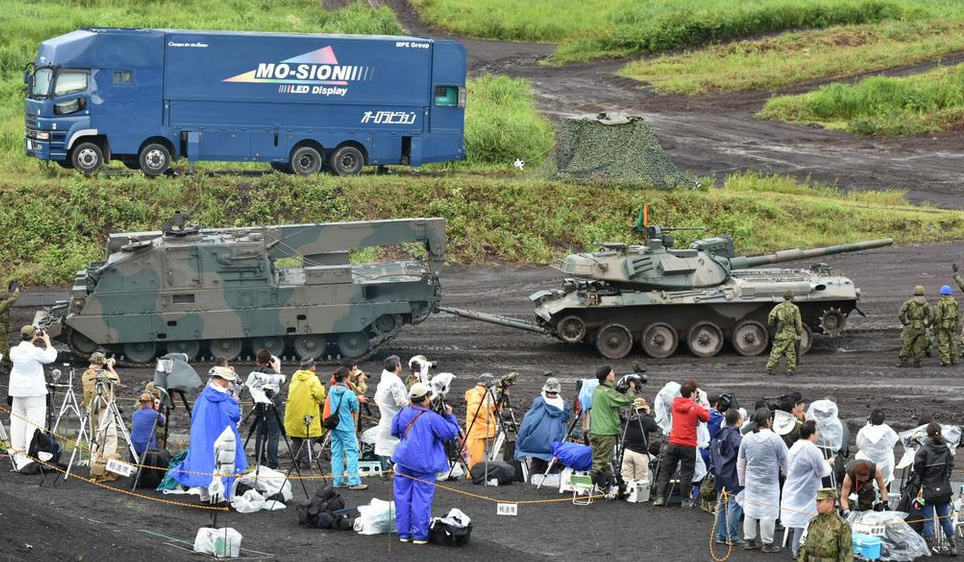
876,442
28,390
390,397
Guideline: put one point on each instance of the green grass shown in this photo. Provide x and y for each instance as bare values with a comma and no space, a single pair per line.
799,57
927,102
501,123
616,28
60,222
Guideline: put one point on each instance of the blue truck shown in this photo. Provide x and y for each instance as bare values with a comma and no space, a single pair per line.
303,103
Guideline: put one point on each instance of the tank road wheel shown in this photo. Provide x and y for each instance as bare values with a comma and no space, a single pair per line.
704,339
833,321
274,344
806,340
82,344
87,157
353,344
659,340
187,347
140,352
155,159
571,329
305,160
750,338
387,323
226,349
310,346
347,161
614,341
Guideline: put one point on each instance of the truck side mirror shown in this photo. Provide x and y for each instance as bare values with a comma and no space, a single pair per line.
26,76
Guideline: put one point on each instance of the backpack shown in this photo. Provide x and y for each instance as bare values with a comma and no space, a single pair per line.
324,501
42,443
152,477
339,520
448,531
504,473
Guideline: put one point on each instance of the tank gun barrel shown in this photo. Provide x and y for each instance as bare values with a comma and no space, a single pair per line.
495,319
798,254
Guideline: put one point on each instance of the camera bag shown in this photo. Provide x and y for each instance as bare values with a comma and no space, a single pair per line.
152,477
503,472
452,530
324,501
332,418
42,445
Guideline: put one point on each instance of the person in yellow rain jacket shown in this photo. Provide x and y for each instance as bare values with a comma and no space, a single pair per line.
480,422
305,397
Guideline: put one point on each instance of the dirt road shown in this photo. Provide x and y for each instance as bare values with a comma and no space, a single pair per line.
719,134
858,370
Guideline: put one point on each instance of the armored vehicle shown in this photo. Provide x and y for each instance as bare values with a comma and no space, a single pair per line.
704,295
226,290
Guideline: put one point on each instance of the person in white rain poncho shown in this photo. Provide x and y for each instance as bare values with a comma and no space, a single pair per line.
762,457
806,468
876,442
390,397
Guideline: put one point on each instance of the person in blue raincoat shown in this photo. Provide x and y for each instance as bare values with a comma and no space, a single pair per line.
419,456
343,403
544,423
214,410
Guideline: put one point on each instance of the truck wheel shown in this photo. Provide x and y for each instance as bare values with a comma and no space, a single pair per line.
305,160
87,157
155,159
347,161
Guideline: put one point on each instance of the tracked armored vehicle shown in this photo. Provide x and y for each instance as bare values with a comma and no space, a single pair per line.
705,295
227,290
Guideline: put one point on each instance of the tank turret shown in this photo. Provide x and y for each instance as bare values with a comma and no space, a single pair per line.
292,288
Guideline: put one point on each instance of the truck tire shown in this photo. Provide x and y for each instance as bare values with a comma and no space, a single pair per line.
305,160
347,161
87,157
155,159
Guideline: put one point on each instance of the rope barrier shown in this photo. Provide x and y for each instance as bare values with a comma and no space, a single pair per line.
716,520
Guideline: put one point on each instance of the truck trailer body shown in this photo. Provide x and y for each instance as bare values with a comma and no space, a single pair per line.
302,103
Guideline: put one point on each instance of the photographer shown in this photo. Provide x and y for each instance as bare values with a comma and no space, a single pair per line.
636,455
680,450
269,431
28,390
390,397
214,411
544,423
98,382
343,404
305,397
479,418
606,402
419,456
143,421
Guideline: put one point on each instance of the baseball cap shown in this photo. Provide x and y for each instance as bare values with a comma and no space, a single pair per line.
226,373
28,330
419,389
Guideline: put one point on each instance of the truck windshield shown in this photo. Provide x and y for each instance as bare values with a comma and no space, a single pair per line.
70,82
41,83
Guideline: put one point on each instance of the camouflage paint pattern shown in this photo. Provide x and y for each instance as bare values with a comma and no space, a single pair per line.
916,315
946,319
655,296
183,290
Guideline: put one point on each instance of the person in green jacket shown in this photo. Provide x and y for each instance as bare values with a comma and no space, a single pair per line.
606,401
828,537
305,397
785,319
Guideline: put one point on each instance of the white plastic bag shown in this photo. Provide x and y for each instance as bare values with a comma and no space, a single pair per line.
269,482
252,501
221,543
376,518
899,543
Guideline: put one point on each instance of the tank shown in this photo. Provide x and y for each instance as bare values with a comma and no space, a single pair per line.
224,291
655,296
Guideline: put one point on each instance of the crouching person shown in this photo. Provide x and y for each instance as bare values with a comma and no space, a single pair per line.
419,456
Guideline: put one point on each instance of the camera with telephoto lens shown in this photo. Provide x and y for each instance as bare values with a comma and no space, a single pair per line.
622,384
506,381
774,403
308,419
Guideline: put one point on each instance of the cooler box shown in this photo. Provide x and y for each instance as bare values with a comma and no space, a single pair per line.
867,546
637,491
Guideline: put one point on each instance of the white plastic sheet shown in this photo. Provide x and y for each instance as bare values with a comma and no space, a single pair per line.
829,428
376,518
663,406
269,482
252,501
899,543
876,444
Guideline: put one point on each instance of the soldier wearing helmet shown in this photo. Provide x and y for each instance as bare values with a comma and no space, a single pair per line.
915,315
946,321
785,319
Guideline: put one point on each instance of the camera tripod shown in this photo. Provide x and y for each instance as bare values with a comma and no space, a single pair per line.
260,414
103,405
307,447
506,426
69,404
6,439
621,445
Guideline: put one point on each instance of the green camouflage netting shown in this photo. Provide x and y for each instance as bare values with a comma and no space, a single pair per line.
614,147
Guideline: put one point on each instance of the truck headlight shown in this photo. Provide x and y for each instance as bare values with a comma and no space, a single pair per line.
41,135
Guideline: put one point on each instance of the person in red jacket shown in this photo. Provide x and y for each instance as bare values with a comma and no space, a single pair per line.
680,451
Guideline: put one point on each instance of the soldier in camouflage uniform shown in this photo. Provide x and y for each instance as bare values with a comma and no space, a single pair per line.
7,298
828,537
960,283
915,315
785,317
946,320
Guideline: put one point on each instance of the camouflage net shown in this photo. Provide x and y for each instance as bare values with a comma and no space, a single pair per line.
617,148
